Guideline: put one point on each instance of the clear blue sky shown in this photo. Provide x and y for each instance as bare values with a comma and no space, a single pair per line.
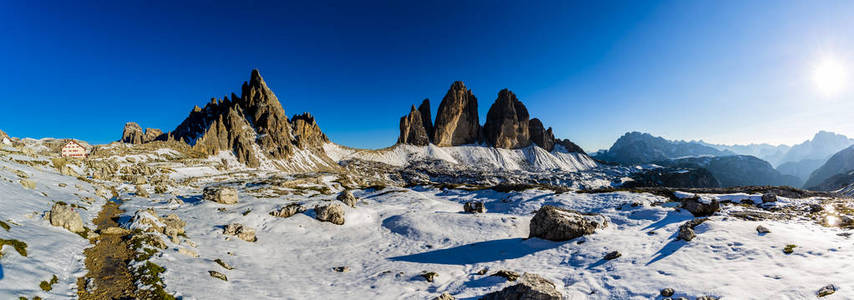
725,72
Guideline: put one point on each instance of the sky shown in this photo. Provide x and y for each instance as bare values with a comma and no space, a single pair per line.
728,72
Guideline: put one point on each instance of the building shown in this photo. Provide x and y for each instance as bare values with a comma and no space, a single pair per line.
73,149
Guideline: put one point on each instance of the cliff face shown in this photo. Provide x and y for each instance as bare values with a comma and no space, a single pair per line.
507,122
457,121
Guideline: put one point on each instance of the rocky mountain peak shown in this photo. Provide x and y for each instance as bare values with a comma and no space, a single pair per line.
133,134
426,118
307,132
457,120
412,129
541,136
507,122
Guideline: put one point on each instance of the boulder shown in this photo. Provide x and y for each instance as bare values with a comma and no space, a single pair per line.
507,122
347,197
332,213
224,195
474,207
686,230
63,215
826,290
509,275
288,210
762,229
28,183
668,292
558,224
429,276
173,225
445,296
769,197
700,207
218,275
530,286
541,136
457,121
613,255
242,232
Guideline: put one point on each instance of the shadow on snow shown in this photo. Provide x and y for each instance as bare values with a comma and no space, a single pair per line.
481,252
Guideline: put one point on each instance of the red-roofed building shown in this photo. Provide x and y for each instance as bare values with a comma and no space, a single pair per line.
73,149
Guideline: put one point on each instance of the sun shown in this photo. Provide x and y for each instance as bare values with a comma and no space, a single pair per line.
829,77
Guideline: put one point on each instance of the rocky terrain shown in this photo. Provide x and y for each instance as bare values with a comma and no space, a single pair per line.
241,202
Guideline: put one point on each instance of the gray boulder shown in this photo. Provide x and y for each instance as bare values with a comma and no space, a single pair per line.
530,287
558,224
288,210
474,207
332,213
699,207
347,197
224,195
242,232
686,230
63,215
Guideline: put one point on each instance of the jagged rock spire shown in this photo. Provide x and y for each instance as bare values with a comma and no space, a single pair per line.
507,122
457,120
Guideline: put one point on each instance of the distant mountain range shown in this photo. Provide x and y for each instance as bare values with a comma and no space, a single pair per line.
640,148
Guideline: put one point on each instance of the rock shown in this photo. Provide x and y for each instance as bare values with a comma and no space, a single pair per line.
686,230
530,286
541,136
509,275
63,215
762,229
224,195
789,249
826,290
707,298
218,275
429,276
141,191
132,133
668,292
457,120
507,122
188,252
332,213
147,221
28,183
341,269
347,197
139,180
769,197
569,146
306,132
412,129
426,119
288,210
115,231
67,170
557,224
474,207
174,226
699,208
223,264
445,296
613,255
242,232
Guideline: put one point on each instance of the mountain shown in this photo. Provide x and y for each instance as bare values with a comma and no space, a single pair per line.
638,148
508,124
839,163
253,127
801,169
770,153
4,138
820,147
737,170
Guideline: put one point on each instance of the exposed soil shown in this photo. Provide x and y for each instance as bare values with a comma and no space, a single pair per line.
107,261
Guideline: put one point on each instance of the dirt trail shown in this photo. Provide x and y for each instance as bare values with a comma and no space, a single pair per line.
107,261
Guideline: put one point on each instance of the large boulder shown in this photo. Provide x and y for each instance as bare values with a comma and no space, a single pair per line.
288,210
412,129
332,213
558,224
541,136
240,231
457,121
701,207
474,207
63,215
507,122
347,197
530,287
686,230
224,195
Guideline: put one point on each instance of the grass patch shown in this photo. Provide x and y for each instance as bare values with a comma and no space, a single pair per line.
4,225
48,285
789,249
85,233
19,246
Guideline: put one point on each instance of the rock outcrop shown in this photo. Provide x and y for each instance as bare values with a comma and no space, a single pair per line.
348,198
426,117
332,213
307,133
4,138
569,146
457,121
412,130
558,224
507,122
530,286
700,207
133,134
224,195
474,207
541,136
240,231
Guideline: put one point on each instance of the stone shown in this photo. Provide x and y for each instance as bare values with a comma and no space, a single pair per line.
558,224
347,197
700,208
613,255
826,290
686,230
412,129
332,213
541,136
429,276
530,286
223,264
112,230
224,195
668,292
174,226
769,197
474,207
341,269
507,122
141,191
762,229
242,232
509,275
457,121
445,296
218,275
288,210
152,134
28,183
188,252
63,215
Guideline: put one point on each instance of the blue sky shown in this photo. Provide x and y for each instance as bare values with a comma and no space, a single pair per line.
722,71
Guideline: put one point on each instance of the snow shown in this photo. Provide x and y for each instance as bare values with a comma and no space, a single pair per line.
393,235
51,250
531,158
